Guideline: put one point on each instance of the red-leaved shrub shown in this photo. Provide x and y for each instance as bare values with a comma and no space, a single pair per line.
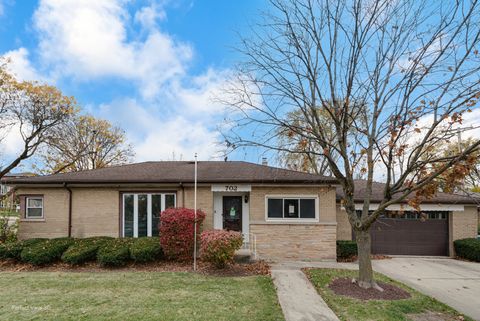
219,246
176,232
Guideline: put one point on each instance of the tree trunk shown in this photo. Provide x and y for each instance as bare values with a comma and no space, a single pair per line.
365,275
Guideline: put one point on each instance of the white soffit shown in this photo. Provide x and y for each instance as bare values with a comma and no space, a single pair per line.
423,207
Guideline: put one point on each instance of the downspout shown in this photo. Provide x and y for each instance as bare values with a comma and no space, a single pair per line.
69,209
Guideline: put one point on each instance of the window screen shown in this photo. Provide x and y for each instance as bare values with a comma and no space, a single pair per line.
291,208
307,208
275,208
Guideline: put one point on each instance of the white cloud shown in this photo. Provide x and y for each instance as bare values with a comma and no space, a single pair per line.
149,15
178,137
11,141
21,67
88,39
156,135
199,96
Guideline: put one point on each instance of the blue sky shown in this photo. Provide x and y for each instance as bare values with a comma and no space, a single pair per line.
148,66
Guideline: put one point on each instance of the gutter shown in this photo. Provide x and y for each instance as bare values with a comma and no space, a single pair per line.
65,185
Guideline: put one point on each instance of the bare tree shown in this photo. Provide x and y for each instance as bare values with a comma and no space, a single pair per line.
414,65
30,110
83,143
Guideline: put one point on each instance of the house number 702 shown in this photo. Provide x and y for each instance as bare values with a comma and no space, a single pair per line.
230,188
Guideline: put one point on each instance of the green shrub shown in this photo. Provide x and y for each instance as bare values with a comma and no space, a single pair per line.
83,250
33,241
468,249
12,250
145,249
45,251
219,246
346,249
8,230
114,252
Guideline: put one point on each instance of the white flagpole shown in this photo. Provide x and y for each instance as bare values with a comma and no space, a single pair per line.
195,215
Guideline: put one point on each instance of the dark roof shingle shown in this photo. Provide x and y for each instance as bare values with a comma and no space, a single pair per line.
378,188
181,172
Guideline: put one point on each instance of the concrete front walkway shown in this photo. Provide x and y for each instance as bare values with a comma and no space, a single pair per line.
455,283
298,298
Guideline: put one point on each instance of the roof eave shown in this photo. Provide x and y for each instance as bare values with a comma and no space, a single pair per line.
301,182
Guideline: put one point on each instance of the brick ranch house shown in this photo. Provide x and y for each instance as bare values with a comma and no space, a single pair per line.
291,215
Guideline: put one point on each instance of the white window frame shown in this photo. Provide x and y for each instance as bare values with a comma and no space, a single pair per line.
149,210
290,219
28,207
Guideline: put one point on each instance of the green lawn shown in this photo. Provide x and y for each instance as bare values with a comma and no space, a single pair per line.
357,310
135,296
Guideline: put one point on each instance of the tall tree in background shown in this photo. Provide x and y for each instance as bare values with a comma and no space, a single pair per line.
413,64
301,153
83,143
297,152
463,178
31,111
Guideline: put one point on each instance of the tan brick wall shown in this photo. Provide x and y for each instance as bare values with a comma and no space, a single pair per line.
55,211
463,224
289,242
95,212
204,202
344,229
294,241
326,200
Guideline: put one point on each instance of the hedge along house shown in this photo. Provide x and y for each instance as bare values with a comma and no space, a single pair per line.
290,215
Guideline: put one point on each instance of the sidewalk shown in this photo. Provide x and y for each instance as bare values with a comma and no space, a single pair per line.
298,298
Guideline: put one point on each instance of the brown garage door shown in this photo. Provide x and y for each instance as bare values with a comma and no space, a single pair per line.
411,233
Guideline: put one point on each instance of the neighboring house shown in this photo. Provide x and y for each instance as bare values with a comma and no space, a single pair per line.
290,215
8,199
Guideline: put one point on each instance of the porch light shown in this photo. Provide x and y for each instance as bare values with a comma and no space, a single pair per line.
246,199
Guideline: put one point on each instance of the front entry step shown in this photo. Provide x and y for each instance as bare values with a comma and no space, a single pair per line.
243,256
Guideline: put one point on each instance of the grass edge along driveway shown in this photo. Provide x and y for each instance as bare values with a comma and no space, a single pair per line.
353,309
136,296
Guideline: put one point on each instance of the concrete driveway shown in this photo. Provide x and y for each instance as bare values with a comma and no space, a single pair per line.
455,283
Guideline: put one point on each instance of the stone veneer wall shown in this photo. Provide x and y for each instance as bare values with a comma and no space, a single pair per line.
291,242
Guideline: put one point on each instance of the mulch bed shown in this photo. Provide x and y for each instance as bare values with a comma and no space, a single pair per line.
355,258
345,286
234,269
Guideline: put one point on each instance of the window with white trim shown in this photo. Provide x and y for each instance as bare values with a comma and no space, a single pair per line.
141,212
292,208
33,207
